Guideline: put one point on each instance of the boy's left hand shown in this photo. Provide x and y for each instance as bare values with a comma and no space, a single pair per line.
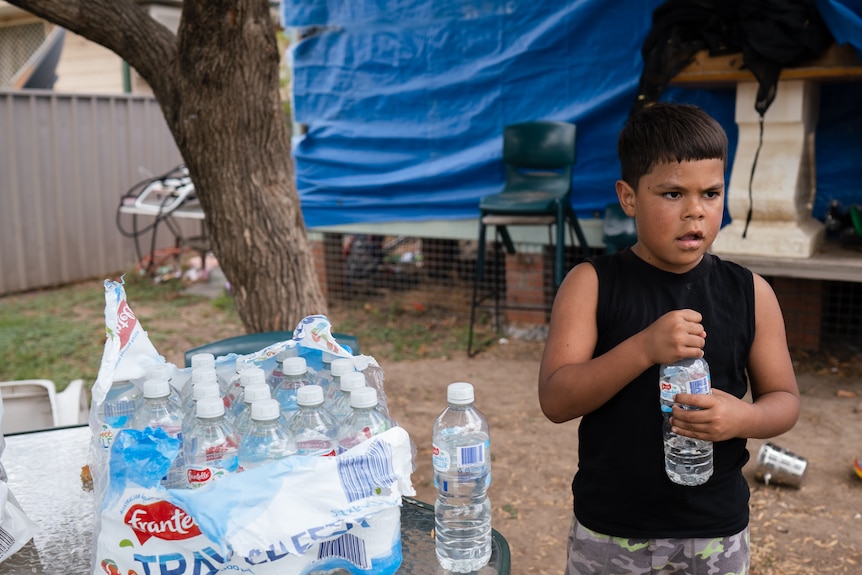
719,417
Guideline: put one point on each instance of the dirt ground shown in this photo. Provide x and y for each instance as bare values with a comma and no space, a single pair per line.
816,528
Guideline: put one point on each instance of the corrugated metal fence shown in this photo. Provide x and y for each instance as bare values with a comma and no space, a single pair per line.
65,161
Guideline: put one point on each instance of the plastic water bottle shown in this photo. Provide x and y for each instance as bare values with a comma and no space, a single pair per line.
201,390
205,376
113,415
233,384
313,427
118,409
364,421
296,375
202,360
277,374
462,473
340,367
248,376
687,461
251,393
199,362
324,375
163,371
339,403
211,447
268,439
157,411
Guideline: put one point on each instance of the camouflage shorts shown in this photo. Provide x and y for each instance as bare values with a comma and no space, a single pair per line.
591,552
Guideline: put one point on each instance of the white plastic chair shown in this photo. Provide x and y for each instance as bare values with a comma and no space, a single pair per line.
72,404
28,404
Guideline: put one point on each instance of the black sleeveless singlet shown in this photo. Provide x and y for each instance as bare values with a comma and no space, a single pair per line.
621,488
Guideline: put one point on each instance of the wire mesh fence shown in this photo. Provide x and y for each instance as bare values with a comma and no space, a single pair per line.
436,277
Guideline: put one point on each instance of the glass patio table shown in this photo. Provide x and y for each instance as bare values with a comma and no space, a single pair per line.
44,470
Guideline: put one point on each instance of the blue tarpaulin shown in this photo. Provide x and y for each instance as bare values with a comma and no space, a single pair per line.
405,100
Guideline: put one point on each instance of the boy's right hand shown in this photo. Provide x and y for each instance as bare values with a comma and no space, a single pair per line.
676,335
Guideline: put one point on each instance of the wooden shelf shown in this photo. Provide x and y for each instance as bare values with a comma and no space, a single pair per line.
832,262
838,64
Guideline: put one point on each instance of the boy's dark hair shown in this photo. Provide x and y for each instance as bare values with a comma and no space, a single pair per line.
665,132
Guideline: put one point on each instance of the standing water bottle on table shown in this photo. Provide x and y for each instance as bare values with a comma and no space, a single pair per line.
462,473
688,461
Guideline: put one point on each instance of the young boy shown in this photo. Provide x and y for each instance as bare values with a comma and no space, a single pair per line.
617,317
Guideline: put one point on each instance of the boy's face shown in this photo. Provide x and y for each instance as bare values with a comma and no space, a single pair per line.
677,208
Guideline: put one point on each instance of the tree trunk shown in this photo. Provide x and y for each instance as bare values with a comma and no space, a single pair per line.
217,84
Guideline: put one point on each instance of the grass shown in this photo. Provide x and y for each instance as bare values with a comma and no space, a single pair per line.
59,334
396,331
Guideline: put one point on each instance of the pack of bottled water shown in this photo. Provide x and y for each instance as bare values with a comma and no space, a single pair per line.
215,469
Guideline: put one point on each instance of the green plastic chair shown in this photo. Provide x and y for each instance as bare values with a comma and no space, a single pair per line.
538,158
618,229
249,343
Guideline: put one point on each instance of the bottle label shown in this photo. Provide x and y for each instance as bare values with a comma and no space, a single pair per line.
699,386
465,459
669,388
471,455
106,436
440,459
320,447
198,476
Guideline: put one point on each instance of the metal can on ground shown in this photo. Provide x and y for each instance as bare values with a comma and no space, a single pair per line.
779,466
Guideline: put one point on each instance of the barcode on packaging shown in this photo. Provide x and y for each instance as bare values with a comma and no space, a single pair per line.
7,541
348,547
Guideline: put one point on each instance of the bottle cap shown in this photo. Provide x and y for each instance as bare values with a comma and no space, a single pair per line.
291,350
352,380
309,395
157,388
208,407
328,357
255,391
202,360
460,393
242,363
265,409
207,374
341,366
158,371
204,389
294,366
251,375
363,397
